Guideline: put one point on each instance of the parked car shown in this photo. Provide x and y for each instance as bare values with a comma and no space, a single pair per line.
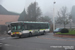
57,30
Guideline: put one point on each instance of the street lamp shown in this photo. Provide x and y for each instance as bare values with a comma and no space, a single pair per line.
54,15
70,18
70,23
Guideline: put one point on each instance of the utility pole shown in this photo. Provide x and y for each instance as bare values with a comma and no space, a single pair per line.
54,15
70,18
70,23
35,9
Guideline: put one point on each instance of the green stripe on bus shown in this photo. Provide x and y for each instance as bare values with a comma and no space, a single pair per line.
42,29
30,30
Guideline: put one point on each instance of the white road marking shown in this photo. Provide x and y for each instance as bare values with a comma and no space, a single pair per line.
55,39
7,45
5,38
9,37
2,39
36,37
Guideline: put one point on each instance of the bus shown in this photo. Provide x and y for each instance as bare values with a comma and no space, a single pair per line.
27,28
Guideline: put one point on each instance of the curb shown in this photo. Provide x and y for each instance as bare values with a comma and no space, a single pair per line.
4,35
68,36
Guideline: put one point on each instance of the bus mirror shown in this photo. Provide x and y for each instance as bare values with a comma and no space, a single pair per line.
8,26
22,24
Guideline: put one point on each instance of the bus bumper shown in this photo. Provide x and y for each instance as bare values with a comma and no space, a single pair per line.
17,35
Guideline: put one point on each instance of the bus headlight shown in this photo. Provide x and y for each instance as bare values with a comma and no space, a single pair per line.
11,33
20,33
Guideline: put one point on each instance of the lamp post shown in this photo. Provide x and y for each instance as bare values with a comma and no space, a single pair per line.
70,23
54,15
70,18
35,9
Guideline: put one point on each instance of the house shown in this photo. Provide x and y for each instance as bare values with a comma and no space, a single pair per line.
6,17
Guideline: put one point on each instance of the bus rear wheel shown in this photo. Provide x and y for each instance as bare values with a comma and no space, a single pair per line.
30,34
44,33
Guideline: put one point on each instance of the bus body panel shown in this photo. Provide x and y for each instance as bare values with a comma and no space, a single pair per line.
34,28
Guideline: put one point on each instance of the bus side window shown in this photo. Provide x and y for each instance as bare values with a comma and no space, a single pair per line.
14,28
39,26
19,27
9,27
25,27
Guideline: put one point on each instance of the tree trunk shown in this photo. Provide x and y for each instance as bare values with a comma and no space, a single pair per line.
70,24
64,24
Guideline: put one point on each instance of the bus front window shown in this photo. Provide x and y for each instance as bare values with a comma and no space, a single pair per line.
9,27
16,27
13,27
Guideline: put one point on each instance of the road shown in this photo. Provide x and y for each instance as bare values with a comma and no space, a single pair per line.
42,42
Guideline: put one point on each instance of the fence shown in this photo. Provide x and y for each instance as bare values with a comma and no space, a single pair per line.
3,29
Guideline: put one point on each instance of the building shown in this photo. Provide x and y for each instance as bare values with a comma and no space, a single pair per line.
6,17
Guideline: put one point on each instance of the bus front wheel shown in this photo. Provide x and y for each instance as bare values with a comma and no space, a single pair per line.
20,36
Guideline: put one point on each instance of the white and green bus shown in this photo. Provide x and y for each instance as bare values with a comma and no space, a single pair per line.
25,28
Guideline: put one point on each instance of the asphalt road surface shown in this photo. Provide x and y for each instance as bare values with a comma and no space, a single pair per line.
42,42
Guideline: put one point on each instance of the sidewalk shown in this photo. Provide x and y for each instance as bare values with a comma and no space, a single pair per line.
4,35
68,36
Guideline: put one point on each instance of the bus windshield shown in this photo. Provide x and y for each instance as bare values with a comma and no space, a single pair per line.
15,27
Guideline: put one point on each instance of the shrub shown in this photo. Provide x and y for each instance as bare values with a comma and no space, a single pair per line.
64,30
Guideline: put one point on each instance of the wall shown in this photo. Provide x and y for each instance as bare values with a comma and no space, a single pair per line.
8,18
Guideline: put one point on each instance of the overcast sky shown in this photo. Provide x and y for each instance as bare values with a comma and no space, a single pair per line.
45,5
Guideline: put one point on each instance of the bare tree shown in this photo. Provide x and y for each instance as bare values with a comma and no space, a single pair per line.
63,16
23,16
45,19
33,11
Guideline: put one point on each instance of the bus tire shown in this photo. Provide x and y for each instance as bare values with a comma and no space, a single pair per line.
20,36
30,34
44,33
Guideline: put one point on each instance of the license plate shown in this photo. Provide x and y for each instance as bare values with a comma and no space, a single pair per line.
15,32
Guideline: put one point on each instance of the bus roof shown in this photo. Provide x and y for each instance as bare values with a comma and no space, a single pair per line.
27,22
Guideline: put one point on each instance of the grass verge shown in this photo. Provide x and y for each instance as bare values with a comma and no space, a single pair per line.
70,33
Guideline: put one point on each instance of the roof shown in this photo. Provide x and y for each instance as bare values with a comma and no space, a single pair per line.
27,22
3,11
